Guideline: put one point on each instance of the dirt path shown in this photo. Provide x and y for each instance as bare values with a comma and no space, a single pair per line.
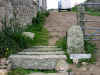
58,24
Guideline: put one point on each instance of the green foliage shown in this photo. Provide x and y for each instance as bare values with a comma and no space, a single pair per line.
90,48
21,71
37,27
69,70
11,39
74,9
93,12
39,21
62,44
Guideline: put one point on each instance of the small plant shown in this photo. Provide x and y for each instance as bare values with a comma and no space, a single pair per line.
69,70
62,44
20,71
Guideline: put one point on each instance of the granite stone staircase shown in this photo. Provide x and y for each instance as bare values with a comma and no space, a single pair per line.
40,57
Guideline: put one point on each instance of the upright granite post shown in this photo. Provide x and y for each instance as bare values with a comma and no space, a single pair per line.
75,40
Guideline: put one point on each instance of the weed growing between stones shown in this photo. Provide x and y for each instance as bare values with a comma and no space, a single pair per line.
90,48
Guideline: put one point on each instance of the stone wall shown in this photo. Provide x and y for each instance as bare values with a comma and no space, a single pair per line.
25,10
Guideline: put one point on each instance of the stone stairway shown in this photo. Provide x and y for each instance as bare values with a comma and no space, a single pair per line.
40,57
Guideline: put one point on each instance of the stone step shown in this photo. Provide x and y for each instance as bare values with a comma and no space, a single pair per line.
42,53
44,62
44,47
41,49
39,56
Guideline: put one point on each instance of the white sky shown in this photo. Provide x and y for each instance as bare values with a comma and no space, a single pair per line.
53,4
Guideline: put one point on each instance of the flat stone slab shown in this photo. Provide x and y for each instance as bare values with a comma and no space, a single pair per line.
44,62
65,73
42,53
39,56
44,46
42,49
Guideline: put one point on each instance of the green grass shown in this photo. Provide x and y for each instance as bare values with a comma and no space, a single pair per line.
21,71
37,27
62,44
93,12
41,37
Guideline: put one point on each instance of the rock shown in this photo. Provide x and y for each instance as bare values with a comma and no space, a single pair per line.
75,40
3,72
84,68
84,63
29,34
62,66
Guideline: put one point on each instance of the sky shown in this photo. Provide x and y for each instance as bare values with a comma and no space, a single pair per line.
53,4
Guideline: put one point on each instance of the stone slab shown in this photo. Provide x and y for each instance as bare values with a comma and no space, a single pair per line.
42,53
43,62
42,49
65,73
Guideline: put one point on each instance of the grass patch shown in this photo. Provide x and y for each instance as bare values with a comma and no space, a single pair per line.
62,44
37,27
93,12
21,71
89,48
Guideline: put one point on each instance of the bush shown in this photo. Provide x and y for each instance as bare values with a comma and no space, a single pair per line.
39,21
11,39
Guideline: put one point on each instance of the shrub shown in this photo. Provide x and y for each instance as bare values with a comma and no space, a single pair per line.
11,39
39,21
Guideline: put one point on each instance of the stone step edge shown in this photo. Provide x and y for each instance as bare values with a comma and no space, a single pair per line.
42,53
39,56
44,47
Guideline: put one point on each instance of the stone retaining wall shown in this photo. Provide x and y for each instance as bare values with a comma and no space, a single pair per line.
25,10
